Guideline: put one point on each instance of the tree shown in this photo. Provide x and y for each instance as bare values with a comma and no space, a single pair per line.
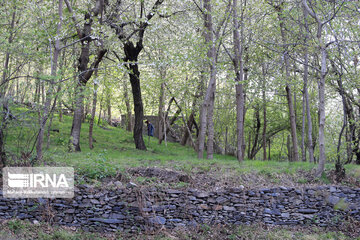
279,10
239,73
323,72
49,94
132,47
211,37
306,91
85,71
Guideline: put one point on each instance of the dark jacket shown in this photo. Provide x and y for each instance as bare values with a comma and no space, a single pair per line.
150,129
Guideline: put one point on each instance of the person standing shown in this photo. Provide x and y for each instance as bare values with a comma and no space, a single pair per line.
150,129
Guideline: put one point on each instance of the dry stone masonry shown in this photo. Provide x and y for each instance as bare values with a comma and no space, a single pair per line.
135,209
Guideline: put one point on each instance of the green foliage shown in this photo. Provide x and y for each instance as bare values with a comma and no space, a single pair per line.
16,226
324,179
97,167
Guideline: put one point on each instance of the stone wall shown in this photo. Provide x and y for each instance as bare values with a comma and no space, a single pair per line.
133,209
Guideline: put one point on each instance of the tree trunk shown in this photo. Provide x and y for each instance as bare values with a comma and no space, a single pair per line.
85,71
4,100
303,152
226,141
108,105
84,75
264,113
49,93
269,158
288,87
306,92
132,54
128,108
131,59
210,122
239,89
189,125
210,91
4,81
322,155
100,110
74,144
257,126
93,111
339,168
161,114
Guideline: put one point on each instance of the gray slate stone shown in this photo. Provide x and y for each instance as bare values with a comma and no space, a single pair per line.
157,220
108,221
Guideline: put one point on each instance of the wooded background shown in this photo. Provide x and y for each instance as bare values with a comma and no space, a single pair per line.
259,79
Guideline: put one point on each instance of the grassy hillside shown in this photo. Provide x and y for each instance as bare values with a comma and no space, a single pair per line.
115,154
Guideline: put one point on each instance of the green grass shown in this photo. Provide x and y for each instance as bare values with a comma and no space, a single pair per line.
24,230
115,151
204,232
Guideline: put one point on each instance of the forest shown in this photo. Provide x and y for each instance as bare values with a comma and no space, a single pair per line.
225,84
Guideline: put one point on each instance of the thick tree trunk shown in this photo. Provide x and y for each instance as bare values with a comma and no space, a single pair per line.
74,144
322,155
210,122
202,131
132,54
3,126
84,75
240,120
